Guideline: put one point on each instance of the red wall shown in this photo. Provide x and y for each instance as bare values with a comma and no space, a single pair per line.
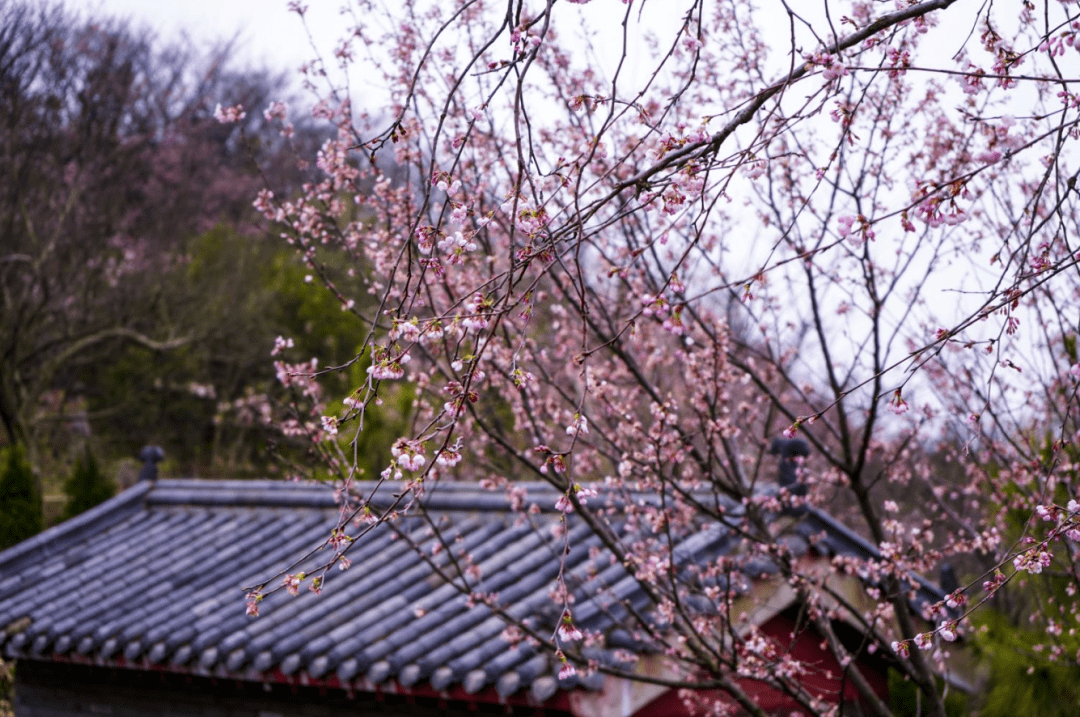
822,679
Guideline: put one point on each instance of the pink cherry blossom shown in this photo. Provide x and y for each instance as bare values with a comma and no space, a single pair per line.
898,405
567,631
253,600
567,671
292,583
229,115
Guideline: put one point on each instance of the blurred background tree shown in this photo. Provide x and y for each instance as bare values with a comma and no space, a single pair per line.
140,294
112,165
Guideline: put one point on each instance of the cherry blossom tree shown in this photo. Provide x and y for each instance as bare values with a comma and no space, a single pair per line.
624,248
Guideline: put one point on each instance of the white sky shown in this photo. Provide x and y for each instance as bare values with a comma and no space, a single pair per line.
269,34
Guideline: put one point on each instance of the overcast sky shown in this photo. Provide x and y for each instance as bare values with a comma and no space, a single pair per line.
269,34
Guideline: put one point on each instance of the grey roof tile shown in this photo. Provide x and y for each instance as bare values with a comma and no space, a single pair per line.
152,578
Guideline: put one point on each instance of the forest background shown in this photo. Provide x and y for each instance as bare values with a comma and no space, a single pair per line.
141,293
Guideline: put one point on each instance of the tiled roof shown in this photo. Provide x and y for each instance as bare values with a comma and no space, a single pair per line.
151,580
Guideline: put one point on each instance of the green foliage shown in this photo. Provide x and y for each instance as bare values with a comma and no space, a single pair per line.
87,486
904,698
312,316
309,314
20,502
1023,680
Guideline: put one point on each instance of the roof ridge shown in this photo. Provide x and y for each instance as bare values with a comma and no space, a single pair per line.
277,493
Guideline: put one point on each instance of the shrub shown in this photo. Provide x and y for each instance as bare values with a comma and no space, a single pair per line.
86,487
20,501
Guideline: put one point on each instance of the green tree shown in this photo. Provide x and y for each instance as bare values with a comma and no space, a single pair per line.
905,701
313,318
20,501
1030,673
87,486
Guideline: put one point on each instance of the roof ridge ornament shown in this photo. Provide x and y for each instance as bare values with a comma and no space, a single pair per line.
791,452
150,456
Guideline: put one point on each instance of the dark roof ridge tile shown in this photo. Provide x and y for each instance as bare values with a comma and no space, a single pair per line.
240,493
213,589
105,608
473,648
363,626
445,495
388,617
